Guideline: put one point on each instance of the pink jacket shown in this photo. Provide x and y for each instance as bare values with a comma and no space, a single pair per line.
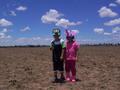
71,51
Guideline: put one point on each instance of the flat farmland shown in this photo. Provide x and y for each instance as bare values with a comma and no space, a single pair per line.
30,68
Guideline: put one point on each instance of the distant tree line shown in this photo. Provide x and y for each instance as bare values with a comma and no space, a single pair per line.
103,44
25,46
100,44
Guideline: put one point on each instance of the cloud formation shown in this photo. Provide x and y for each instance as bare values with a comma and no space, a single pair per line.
5,30
118,1
3,34
106,12
12,13
27,28
107,33
53,16
21,8
113,22
4,22
32,41
76,31
99,30
65,23
112,5
115,34
116,29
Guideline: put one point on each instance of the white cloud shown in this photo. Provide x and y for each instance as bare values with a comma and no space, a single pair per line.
51,16
8,36
12,13
21,8
76,31
113,22
32,41
65,23
112,5
48,39
4,22
115,34
106,12
99,30
116,30
4,36
106,33
88,41
5,30
27,28
23,40
118,1
36,38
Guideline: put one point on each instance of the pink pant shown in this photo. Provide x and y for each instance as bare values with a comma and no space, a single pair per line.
70,67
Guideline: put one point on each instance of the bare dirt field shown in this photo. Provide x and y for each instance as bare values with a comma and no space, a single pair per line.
98,68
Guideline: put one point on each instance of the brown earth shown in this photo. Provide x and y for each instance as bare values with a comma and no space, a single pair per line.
98,68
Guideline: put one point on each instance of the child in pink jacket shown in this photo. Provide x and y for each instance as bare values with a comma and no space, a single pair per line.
71,56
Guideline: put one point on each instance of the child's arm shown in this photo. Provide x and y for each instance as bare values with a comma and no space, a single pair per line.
62,54
51,46
77,53
63,48
77,50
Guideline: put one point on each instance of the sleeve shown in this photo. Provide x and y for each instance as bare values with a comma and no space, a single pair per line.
77,46
51,43
62,43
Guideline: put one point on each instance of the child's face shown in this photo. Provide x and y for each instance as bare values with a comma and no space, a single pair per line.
70,39
56,36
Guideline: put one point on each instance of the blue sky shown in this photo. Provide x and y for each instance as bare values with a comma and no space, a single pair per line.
25,22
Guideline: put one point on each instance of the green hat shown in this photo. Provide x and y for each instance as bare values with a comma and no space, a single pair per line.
56,31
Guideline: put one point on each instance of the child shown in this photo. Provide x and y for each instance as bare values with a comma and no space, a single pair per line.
57,48
71,56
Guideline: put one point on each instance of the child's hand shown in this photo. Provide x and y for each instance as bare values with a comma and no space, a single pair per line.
61,58
51,47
